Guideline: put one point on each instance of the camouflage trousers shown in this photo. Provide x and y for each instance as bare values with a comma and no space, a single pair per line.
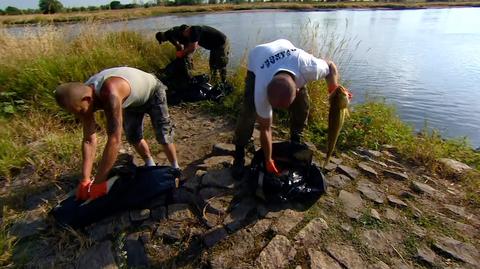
218,62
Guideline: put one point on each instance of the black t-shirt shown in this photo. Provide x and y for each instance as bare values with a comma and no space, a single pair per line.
206,36
175,34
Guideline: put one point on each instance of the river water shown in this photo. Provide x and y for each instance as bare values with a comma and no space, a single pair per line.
426,62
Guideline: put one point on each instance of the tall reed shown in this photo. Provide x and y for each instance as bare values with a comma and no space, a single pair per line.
35,62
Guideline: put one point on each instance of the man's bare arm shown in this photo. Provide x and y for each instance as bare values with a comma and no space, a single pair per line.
190,48
266,136
333,76
89,145
113,112
177,44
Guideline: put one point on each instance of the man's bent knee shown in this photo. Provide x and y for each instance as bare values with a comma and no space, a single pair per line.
165,135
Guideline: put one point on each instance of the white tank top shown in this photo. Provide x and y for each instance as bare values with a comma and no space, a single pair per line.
142,84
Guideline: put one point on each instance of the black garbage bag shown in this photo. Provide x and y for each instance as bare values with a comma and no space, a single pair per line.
198,89
135,189
184,87
301,180
219,91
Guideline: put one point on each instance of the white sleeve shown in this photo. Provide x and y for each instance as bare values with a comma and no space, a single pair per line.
252,61
322,68
262,106
315,69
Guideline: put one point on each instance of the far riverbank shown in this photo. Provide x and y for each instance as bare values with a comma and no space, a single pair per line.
128,14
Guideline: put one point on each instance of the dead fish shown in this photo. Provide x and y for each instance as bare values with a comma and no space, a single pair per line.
338,100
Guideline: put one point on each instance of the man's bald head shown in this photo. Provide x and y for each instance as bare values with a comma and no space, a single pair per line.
281,90
75,97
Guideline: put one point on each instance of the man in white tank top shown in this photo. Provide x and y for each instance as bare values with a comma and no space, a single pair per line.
125,94
277,73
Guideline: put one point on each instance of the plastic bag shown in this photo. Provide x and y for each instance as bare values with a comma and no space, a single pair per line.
131,191
300,180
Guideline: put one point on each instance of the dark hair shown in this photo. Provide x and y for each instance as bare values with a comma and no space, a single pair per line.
160,36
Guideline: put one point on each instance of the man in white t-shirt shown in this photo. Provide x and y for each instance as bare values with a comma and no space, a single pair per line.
276,77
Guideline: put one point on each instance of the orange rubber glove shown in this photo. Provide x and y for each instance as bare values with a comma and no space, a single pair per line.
332,88
272,168
179,54
82,190
97,190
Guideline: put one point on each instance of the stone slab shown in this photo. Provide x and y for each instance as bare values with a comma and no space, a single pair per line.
277,254
310,235
98,256
352,203
370,191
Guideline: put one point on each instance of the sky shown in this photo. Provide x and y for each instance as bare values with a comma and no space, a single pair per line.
24,4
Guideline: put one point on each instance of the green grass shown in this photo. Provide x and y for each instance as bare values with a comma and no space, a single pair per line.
411,244
369,222
471,184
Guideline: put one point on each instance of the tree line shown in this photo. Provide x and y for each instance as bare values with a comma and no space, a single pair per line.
55,6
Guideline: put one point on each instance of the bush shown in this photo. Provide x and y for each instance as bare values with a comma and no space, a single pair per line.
93,8
131,6
50,6
12,11
116,5
187,2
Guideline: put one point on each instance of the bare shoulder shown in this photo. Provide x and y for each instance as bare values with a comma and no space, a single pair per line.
114,88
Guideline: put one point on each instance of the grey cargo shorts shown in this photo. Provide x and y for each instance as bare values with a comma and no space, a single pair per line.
157,108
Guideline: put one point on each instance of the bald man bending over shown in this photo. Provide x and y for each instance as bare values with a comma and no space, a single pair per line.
125,94
276,77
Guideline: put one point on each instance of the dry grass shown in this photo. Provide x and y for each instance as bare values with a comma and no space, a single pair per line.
30,44
39,139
